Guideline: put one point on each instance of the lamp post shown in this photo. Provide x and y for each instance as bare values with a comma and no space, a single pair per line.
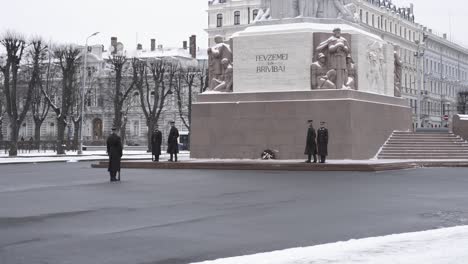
420,75
83,88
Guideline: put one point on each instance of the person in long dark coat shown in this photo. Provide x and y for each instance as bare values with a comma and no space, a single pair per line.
322,142
114,150
311,146
156,140
172,143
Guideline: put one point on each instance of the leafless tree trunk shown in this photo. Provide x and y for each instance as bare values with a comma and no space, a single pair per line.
39,105
202,76
153,93
1,111
184,92
67,57
121,92
15,47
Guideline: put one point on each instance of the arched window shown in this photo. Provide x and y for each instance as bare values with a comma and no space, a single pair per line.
254,14
367,18
360,15
237,18
219,20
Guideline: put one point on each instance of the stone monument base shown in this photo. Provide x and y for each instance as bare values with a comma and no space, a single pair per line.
243,125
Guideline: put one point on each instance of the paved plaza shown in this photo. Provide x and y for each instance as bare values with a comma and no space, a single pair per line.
69,213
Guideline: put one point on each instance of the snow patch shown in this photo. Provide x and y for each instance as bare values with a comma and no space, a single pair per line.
440,246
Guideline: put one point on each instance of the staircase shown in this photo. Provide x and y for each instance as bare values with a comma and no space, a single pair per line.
424,146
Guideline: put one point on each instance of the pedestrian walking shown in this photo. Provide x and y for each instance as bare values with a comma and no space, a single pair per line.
114,150
311,145
322,142
156,140
172,142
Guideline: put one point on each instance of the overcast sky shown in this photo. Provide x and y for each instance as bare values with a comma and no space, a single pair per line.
169,21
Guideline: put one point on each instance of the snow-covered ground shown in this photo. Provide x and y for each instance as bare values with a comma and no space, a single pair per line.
35,157
441,246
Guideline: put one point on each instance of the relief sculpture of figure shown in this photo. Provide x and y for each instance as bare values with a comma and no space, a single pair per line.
398,71
226,84
318,69
328,81
279,9
216,55
375,60
338,49
306,8
352,73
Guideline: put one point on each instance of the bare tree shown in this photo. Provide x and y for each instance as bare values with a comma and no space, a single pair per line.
121,91
462,104
67,57
184,93
17,106
202,75
39,105
186,90
2,103
154,82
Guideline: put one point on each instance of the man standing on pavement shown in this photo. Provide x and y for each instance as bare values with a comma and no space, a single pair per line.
172,142
114,150
311,146
322,142
156,140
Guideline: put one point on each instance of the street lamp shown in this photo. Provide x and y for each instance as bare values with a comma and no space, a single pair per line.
83,87
419,67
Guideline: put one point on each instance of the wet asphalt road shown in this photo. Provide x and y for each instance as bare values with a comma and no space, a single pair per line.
69,213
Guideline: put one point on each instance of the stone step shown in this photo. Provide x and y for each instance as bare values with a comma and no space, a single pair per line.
422,158
425,147
416,157
448,156
432,145
425,137
427,140
429,143
423,133
454,151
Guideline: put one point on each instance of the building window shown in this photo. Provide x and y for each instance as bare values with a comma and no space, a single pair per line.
237,18
373,20
136,128
219,20
360,15
367,18
254,14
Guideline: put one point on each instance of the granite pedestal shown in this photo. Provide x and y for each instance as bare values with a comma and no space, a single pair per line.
243,125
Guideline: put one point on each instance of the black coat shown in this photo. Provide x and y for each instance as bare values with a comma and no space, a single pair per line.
172,144
311,146
114,150
156,140
322,141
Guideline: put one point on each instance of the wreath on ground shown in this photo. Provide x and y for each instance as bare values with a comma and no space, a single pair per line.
268,154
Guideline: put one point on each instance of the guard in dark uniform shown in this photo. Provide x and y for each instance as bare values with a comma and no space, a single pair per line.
172,142
322,142
156,140
311,146
114,150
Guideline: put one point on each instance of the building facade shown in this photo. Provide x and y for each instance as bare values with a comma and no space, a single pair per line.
434,68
